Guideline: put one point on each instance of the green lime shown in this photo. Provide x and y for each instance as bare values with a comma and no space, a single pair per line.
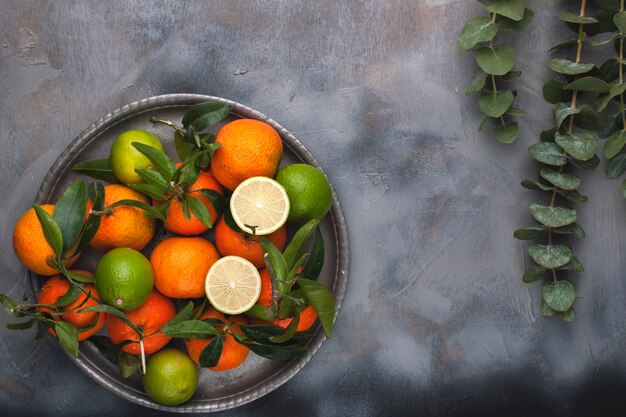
125,157
171,377
309,192
124,278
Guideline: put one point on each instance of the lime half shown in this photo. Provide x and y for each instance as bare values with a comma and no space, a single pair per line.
259,205
232,285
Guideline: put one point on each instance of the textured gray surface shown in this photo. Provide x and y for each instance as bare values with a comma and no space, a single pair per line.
436,320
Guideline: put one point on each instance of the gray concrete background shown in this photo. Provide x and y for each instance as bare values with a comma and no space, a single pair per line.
436,320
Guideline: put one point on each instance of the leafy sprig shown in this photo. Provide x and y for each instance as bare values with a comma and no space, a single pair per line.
496,64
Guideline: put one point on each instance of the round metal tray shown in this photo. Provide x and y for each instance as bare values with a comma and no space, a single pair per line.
257,376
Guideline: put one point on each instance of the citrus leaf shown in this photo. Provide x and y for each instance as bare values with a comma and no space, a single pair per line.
615,143
513,9
147,208
569,16
128,364
152,177
199,210
261,312
477,83
99,169
529,233
211,354
275,260
162,163
51,230
568,316
506,133
496,60
68,336
565,66
7,303
563,111
534,273
21,326
313,266
183,149
561,180
203,115
616,166
78,277
189,171
322,301
519,25
104,308
183,315
300,239
105,347
559,296
590,84
552,216
573,265
192,329
495,105
69,212
581,145
69,297
572,195
548,153
274,352
96,194
476,31
620,21
217,201
262,334
554,92
544,310
149,190
289,332
586,165
550,256
570,229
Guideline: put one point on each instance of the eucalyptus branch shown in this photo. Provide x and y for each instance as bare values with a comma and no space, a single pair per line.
495,62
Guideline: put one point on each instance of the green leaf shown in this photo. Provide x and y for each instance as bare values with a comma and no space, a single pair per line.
548,153
217,201
572,195
195,329
554,92
590,84
322,301
313,266
484,123
519,25
548,135
211,354
476,31
300,239
203,115
99,169
589,119
495,105
274,352
615,143
568,42
569,16
183,149
128,364
7,303
69,212
559,296
513,9
529,233
570,229
613,124
261,312
68,336
603,100
616,166
544,310
497,60
581,144
586,165
106,348
536,186
162,163
21,326
152,177
620,21
477,83
506,133
69,297
573,265
511,75
561,180
96,194
514,111
624,189
534,273
149,190
104,308
184,314
290,331
565,66
275,260
552,216
563,111
550,256
51,230
199,210
263,333
75,276
147,208
568,316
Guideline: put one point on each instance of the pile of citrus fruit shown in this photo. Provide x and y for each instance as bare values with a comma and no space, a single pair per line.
250,284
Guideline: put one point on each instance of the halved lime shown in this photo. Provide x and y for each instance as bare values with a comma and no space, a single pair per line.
232,285
259,205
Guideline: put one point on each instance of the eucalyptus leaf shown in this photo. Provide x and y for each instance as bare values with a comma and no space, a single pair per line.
322,301
506,133
495,104
511,75
69,212
534,273
569,16
613,124
589,119
544,310
51,230
563,111
68,336
561,180
568,316
573,265
513,9
620,21
565,66
496,60
484,123
477,83
570,229
552,216
581,145
548,152
624,189
529,233
603,100
550,256
476,31
615,143
610,70
590,84
572,195
616,166
514,111
519,25
560,295
99,169
568,42
548,135
554,92
211,353
586,165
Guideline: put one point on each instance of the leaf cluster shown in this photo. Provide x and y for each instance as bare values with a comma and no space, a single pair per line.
496,64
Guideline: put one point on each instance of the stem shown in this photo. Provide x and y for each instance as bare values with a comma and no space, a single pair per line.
143,356
168,123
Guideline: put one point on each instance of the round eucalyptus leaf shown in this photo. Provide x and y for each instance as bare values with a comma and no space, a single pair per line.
563,111
590,84
614,143
570,229
604,99
497,60
568,315
535,186
624,189
565,66
554,92
559,296
506,133
561,180
620,21
569,16
529,233
585,165
550,256
552,216
519,25
616,166
573,265
572,195
581,144
495,105
568,42
534,273
548,135
544,310
511,75
513,9
589,119
476,31
477,83
514,111
548,152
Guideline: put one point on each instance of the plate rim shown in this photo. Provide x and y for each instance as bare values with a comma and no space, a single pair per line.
337,217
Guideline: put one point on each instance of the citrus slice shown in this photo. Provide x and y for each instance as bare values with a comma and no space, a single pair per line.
259,205
232,285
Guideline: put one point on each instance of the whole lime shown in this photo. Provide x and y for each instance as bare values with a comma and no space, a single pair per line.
309,192
171,377
124,278
124,157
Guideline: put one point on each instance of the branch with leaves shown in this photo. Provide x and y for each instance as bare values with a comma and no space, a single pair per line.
496,64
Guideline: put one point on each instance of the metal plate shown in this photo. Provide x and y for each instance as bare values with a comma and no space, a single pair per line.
257,376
